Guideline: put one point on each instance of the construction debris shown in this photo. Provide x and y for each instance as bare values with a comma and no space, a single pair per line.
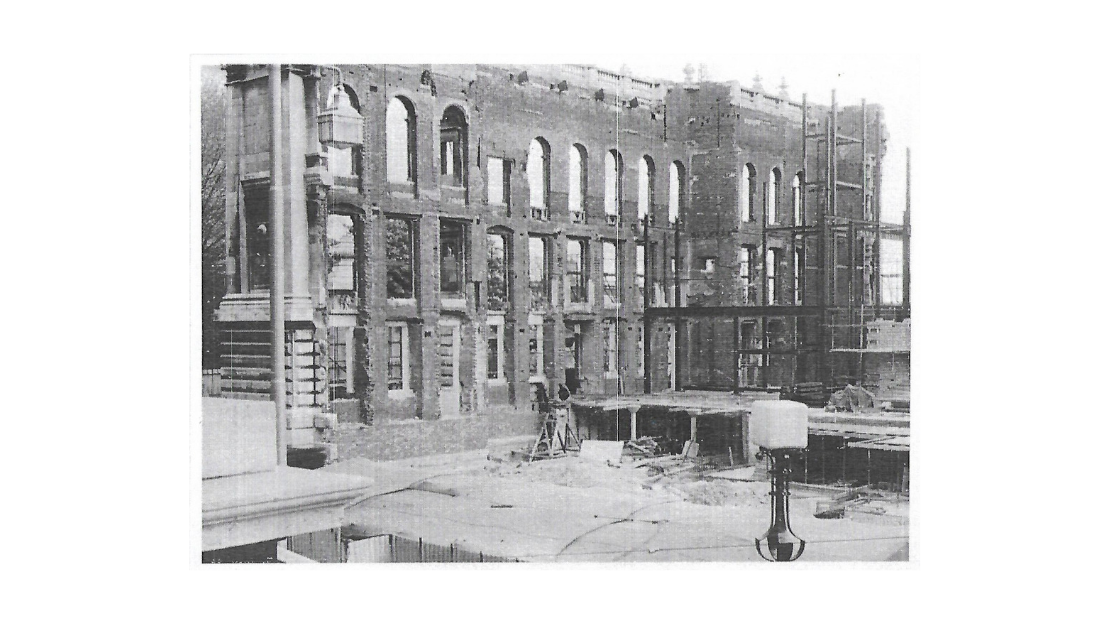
602,451
851,399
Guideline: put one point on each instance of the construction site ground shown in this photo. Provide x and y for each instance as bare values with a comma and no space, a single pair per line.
574,509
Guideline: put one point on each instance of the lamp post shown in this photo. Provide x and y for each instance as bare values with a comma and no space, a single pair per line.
781,430
781,542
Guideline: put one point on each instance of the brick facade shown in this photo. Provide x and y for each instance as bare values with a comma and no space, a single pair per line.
707,132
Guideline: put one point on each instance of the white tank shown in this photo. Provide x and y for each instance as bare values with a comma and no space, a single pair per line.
779,424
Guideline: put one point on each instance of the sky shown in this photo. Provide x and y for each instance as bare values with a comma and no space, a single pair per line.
889,80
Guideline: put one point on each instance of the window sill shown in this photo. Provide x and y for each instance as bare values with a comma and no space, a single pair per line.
398,395
452,303
401,302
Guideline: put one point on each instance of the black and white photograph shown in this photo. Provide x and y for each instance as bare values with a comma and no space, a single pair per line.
552,313
575,312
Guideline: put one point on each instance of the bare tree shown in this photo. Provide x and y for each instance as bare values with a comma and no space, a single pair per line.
213,102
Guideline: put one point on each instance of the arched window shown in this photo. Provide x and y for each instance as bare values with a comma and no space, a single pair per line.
796,198
773,183
646,191
677,190
452,146
400,137
614,172
539,177
577,182
747,192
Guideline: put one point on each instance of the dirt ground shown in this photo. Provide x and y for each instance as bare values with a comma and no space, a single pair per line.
570,509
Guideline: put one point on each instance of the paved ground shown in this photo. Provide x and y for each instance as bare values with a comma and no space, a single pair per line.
573,510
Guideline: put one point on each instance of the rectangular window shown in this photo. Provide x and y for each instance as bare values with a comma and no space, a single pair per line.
773,257
707,264
539,281
576,270
609,342
397,365
798,276
747,257
640,350
452,256
497,181
749,364
447,162
400,258
658,295
890,270
495,363
609,272
641,271
340,360
257,222
341,262
497,272
535,348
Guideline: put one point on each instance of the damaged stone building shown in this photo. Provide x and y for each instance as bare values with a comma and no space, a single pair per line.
498,227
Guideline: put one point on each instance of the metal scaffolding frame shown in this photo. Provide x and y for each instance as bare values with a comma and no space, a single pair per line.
847,292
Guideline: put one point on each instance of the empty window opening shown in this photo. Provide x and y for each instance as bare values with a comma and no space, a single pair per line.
747,286
749,364
535,349
497,181
497,272
614,167
609,343
798,256
641,359
400,132
340,363
609,272
452,256
747,192
773,183
495,361
577,182
397,364
796,199
641,272
539,177
576,270
400,256
706,264
677,191
256,216
646,191
890,271
453,146
341,262
539,272
774,256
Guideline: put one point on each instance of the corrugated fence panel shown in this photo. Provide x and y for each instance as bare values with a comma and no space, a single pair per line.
395,549
321,546
406,550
